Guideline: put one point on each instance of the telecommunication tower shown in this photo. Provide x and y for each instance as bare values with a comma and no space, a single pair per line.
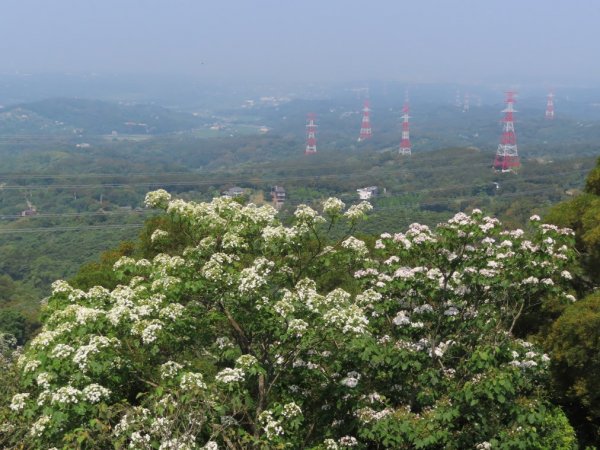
365,128
457,101
507,156
405,147
311,134
466,103
550,106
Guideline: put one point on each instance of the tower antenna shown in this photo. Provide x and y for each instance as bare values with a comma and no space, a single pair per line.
550,106
466,103
365,127
311,134
405,147
507,156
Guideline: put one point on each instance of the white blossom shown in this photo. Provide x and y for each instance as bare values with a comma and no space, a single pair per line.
271,427
170,369
348,441
40,426
18,401
157,199
230,375
566,275
333,206
93,393
297,327
150,333
355,245
192,380
356,212
291,410
66,395
159,235
246,361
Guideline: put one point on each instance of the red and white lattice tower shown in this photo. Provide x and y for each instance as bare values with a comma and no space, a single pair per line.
365,127
507,156
405,147
550,106
311,134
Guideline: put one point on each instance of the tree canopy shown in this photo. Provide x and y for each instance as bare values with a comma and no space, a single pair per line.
260,335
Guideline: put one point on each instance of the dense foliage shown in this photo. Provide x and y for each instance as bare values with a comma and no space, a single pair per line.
259,335
574,343
574,338
582,214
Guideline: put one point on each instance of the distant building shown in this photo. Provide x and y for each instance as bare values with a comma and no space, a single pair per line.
263,130
233,192
367,192
278,196
29,212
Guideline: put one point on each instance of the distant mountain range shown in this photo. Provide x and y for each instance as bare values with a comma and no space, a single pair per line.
86,117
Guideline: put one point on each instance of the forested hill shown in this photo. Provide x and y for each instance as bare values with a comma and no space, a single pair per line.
84,117
92,199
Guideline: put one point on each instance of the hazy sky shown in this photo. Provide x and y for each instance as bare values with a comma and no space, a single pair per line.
510,41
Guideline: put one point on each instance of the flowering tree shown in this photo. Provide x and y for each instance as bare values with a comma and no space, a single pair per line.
259,335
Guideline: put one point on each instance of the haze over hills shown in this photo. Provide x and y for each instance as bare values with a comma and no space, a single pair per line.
85,117
320,225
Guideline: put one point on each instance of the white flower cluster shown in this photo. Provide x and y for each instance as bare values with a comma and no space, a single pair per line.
96,343
124,262
66,395
192,380
43,380
270,425
157,199
61,287
348,441
368,415
233,241
93,393
330,444
230,375
215,268
285,306
170,369
40,426
172,311
159,235
150,333
351,319
305,214
252,278
61,351
356,212
356,245
18,401
351,379
274,234
291,410
297,327
246,361
419,234
401,319
44,339
333,206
